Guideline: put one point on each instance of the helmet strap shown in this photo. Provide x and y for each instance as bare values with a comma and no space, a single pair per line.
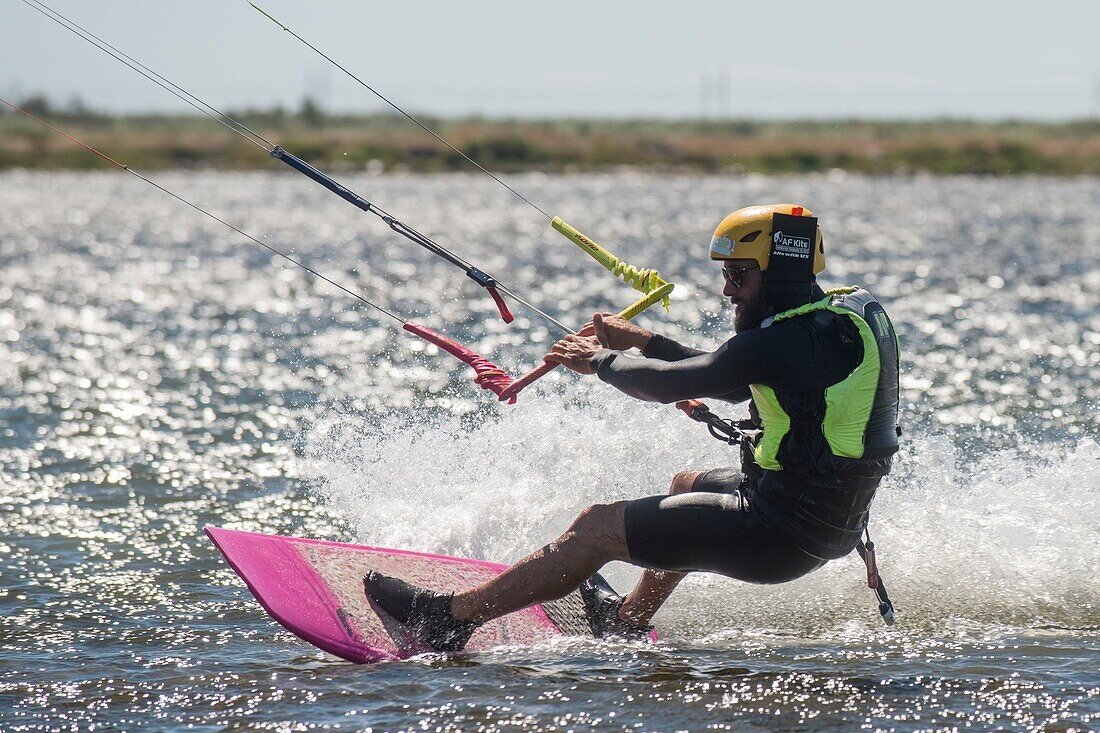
789,279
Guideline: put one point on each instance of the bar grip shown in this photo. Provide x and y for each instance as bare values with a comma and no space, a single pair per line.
546,367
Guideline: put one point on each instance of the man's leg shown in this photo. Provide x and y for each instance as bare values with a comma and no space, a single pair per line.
655,586
596,537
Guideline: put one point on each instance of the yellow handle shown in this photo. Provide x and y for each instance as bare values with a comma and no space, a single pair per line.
660,293
600,254
645,281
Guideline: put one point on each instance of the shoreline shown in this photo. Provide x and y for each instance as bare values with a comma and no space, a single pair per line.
380,143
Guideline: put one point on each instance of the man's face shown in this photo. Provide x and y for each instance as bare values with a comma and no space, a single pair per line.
748,299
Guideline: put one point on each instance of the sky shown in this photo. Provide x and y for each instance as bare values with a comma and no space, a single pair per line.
568,58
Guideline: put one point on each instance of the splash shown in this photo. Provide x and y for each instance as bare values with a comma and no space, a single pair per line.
502,488
1004,538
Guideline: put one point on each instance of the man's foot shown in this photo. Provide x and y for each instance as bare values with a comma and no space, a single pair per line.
601,607
426,613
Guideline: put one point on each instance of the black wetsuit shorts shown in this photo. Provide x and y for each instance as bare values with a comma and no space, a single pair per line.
717,527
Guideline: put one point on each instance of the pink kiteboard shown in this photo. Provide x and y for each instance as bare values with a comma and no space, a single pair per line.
315,589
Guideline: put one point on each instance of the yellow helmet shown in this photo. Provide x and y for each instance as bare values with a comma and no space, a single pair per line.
746,234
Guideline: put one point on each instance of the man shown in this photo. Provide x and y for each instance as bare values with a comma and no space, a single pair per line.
821,370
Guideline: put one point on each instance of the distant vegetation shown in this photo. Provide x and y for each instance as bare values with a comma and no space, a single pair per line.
389,142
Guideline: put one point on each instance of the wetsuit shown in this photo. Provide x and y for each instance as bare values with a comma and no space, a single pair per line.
754,525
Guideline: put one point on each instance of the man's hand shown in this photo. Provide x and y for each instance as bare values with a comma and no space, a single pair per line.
615,332
575,352
605,331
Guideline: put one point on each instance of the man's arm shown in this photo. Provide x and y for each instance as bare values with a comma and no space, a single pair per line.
615,332
724,374
793,355
665,349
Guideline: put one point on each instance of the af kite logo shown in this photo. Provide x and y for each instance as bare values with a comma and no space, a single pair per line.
789,245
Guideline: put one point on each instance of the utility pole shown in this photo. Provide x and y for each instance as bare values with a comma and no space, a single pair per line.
724,94
714,94
704,96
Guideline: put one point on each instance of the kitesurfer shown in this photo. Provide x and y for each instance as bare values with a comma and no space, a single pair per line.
820,371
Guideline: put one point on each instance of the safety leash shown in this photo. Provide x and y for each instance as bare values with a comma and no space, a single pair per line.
722,429
866,551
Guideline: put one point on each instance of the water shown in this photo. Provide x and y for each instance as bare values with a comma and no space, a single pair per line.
158,374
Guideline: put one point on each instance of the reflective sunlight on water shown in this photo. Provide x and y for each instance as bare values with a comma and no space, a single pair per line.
158,373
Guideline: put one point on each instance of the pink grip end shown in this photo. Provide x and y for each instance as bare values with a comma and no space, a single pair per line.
532,376
505,314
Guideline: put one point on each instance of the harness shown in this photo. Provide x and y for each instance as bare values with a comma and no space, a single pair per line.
849,429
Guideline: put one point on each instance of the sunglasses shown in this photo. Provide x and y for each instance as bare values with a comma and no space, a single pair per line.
733,274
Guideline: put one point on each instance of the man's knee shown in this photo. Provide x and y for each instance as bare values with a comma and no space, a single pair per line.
600,526
684,482
597,518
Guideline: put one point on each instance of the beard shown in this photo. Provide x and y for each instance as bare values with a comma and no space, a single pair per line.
749,313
